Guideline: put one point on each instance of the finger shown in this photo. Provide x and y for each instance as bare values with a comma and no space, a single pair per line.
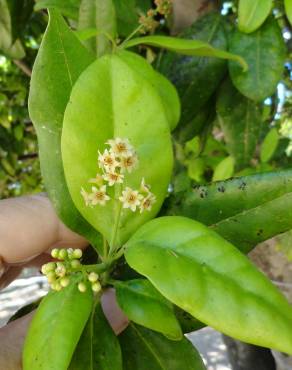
29,226
115,316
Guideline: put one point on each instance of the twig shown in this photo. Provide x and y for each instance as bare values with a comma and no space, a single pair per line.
21,65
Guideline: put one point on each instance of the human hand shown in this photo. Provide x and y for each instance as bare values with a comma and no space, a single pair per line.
29,229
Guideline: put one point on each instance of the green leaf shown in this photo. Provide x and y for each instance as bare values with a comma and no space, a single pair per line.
69,8
144,305
10,48
99,15
224,170
200,272
163,86
111,100
20,13
196,78
98,347
187,322
186,47
269,145
264,52
144,349
245,210
56,328
240,120
252,14
60,61
288,9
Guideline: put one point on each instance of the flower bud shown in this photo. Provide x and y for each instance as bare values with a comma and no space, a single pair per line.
56,286
55,253
51,276
82,287
75,264
65,281
77,253
93,277
60,270
62,254
96,287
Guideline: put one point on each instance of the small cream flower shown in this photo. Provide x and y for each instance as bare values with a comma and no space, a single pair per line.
99,196
131,199
144,188
129,163
113,178
87,198
147,202
121,147
98,180
108,161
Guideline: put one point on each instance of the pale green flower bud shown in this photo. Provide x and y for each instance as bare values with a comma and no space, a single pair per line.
62,254
93,277
60,270
96,287
75,264
82,287
56,286
65,281
51,276
77,253
55,253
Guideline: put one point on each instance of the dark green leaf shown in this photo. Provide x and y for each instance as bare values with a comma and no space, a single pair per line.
144,349
68,8
111,100
185,47
203,274
60,61
252,14
56,328
264,52
20,12
98,347
269,145
240,120
196,78
187,322
144,305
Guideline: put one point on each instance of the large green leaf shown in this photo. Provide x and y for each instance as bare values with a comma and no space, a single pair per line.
163,86
98,15
240,209
252,14
98,347
56,328
264,52
185,47
111,100
144,349
206,276
240,120
144,305
68,8
288,9
196,78
60,61
9,47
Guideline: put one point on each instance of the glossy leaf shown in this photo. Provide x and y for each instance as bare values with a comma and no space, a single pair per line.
163,86
196,78
200,272
68,8
224,170
10,48
186,47
252,14
60,61
240,120
144,305
56,328
111,100
98,347
288,9
264,51
269,145
144,349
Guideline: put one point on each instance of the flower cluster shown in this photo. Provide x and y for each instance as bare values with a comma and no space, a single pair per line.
148,22
59,273
115,163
